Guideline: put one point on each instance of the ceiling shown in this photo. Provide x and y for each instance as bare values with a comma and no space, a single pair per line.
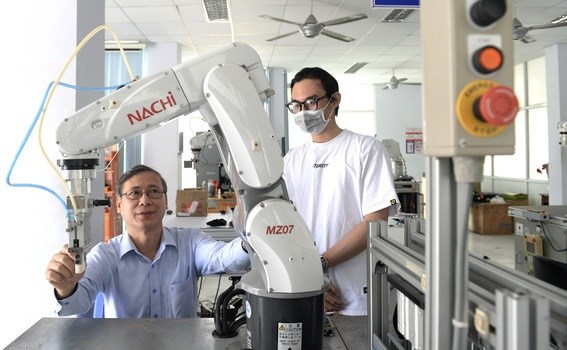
385,46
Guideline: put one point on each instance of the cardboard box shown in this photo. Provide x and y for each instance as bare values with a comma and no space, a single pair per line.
229,195
492,218
216,205
191,202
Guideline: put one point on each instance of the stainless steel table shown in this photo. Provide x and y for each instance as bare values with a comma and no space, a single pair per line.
140,334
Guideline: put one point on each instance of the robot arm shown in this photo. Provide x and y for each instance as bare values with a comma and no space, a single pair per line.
147,103
228,87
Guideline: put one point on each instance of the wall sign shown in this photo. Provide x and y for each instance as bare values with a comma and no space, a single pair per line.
414,141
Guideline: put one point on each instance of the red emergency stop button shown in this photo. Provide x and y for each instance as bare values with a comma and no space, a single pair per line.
487,59
497,106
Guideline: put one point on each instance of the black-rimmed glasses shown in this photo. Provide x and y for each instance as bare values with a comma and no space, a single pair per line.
311,104
153,193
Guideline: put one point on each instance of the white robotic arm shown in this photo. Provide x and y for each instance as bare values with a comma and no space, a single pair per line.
228,87
147,103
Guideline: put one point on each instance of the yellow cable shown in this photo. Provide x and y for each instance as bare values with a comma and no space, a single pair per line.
113,157
52,90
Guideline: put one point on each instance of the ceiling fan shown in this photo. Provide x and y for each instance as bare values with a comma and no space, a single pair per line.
521,32
395,82
311,28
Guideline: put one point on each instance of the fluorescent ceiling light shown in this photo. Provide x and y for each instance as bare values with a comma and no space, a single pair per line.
355,67
217,10
126,45
398,15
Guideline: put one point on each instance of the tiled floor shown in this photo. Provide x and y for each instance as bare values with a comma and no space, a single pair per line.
499,248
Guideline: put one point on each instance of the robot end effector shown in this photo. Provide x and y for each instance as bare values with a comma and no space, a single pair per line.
79,173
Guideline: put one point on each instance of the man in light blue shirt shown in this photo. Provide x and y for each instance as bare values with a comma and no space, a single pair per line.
150,271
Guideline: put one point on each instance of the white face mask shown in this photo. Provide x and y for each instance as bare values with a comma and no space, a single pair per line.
312,122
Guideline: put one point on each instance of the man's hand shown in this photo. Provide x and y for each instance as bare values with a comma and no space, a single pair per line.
333,301
60,273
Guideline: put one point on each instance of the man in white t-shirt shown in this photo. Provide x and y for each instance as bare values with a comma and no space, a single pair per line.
338,181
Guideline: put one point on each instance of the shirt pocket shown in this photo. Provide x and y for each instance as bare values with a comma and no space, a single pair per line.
182,299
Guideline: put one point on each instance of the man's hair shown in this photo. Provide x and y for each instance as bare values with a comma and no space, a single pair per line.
329,83
135,170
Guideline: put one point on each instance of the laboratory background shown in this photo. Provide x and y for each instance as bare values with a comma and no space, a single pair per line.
378,59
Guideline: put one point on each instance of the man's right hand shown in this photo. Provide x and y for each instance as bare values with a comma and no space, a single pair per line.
333,301
60,273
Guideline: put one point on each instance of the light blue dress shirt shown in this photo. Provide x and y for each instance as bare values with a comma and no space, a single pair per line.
135,287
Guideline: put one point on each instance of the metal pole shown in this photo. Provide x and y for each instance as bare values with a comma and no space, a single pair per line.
377,290
440,253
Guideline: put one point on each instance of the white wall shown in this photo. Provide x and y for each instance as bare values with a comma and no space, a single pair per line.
33,220
396,111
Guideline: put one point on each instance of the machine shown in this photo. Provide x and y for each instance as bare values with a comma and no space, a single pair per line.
228,87
540,236
398,162
407,188
207,161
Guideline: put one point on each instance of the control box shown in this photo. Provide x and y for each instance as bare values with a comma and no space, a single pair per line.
469,104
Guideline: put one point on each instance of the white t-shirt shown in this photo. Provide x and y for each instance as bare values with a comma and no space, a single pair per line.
333,185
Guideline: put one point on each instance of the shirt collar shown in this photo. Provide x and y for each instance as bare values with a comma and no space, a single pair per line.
127,245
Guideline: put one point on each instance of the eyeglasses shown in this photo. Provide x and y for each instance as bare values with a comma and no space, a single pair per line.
153,193
311,104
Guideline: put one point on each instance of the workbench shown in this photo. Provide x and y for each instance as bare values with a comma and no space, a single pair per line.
221,233
186,333
189,333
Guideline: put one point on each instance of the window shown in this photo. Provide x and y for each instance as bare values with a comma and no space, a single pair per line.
530,127
538,147
514,166
536,83
115,71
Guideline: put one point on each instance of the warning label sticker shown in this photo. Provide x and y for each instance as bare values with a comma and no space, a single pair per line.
289,336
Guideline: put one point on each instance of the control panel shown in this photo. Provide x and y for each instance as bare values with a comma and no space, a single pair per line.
469,101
